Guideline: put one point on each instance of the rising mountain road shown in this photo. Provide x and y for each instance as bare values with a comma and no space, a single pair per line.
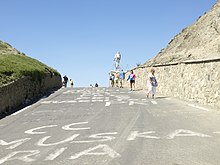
110,126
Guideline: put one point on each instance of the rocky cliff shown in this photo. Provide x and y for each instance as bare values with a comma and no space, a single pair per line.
189,67
201,40
23,79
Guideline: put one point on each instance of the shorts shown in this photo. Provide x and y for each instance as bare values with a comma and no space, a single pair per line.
132,81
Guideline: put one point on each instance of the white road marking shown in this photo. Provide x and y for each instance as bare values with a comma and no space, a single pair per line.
106,151
69,92
45,102
72,101
41,141
21,110
101,137
25,158
57,153
153,102
136,134
198,107
216,132
84,101
14,143
131,103
107,104
30,131
182,132
97,100
133,99
140,103
97,97
67,127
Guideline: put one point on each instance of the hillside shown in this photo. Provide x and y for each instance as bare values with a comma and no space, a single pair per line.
23,79
14,65
201,40
6,48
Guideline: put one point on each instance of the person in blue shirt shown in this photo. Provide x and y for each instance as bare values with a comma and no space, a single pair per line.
132,78
121,78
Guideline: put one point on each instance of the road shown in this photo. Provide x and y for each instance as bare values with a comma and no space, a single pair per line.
110,126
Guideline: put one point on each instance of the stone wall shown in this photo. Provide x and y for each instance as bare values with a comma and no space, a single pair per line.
18,92
196,81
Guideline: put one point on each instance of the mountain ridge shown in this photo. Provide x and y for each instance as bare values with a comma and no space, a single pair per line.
201,40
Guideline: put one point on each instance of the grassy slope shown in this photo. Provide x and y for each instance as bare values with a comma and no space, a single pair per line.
13,67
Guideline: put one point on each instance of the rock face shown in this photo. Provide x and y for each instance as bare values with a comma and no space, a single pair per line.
23,81
198,41
5,48
189,67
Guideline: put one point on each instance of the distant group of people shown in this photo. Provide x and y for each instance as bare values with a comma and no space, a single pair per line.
96,85
117,80
65,81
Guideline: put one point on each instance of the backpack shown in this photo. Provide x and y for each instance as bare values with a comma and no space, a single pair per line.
154,82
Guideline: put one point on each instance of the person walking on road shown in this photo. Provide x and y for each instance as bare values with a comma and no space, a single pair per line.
71,83
151,83
112,79
132,78
121,78
96,85
65,80
116,79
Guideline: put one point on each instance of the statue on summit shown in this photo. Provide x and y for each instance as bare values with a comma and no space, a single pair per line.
117,60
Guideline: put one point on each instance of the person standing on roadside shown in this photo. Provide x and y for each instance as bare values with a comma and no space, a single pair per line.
132,78
151,83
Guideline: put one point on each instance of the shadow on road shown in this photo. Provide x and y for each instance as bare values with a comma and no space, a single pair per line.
26,104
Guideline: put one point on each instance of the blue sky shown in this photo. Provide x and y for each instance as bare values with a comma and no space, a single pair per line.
79,38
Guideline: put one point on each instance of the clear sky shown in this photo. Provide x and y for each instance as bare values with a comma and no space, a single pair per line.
79,38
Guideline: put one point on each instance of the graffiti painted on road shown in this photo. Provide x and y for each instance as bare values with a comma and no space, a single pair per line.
99,139
88,96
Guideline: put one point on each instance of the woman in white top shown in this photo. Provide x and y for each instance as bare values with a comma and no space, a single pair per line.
151,83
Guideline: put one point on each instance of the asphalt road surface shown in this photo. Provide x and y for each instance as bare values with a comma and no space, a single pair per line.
110,126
